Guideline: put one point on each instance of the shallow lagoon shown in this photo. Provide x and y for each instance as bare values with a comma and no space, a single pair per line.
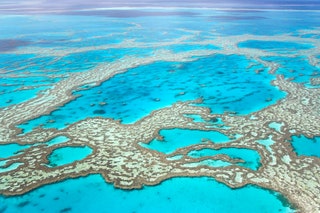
8,150
67,155
136,93
251,158
179,138
306,146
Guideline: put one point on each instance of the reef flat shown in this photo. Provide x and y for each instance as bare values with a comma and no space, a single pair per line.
118,153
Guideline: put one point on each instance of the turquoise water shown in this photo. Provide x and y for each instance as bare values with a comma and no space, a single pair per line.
276,126
8,150
298,68
9,167
92,194
267,142
210,163
276,46
66,155
132,95
16,97
185,47
57,140
215,122
251,157
179,138
306,146
22,87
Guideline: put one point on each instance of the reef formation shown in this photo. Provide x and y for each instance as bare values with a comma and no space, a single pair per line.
117,152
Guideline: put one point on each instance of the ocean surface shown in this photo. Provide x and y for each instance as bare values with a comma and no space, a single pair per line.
38,51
